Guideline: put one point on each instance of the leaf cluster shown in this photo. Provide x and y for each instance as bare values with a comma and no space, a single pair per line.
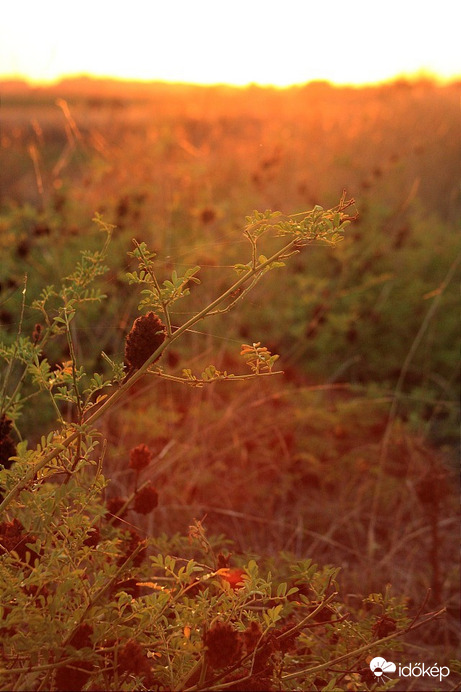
159,296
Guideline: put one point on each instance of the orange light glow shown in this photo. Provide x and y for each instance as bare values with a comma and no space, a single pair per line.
246,41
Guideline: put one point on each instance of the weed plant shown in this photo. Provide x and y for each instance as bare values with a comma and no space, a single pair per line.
161,517
89,601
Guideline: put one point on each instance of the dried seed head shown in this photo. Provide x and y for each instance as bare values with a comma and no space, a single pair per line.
223,645
146,335
140,457
132,660
114,505
145,499
82,636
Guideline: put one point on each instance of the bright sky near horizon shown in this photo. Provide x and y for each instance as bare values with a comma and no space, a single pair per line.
279,42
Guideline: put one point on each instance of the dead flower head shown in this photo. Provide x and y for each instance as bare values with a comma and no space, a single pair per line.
146,335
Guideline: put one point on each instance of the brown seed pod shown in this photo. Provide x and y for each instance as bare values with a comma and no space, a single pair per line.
114,505
140,457
223,645
146,335
132,659
146,499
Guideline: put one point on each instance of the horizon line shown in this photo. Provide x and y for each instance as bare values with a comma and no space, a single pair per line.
411,78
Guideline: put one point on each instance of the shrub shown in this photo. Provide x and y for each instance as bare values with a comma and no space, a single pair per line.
90,603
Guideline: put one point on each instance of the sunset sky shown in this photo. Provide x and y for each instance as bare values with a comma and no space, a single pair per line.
279,42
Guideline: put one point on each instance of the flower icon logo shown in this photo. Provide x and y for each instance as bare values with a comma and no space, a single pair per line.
380,667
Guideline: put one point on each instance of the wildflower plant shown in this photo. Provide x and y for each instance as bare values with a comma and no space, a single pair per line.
89,602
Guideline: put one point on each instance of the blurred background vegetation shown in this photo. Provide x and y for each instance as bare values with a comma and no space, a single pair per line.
363,427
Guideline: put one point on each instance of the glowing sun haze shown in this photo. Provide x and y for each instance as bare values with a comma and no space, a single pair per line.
237,42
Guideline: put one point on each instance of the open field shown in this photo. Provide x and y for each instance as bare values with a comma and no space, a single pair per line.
349,457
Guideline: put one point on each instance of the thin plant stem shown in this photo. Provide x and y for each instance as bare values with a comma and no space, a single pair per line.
10,364
376,644
396,400
165,310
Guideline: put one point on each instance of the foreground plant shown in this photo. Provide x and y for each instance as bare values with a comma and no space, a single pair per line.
87,601
68,383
